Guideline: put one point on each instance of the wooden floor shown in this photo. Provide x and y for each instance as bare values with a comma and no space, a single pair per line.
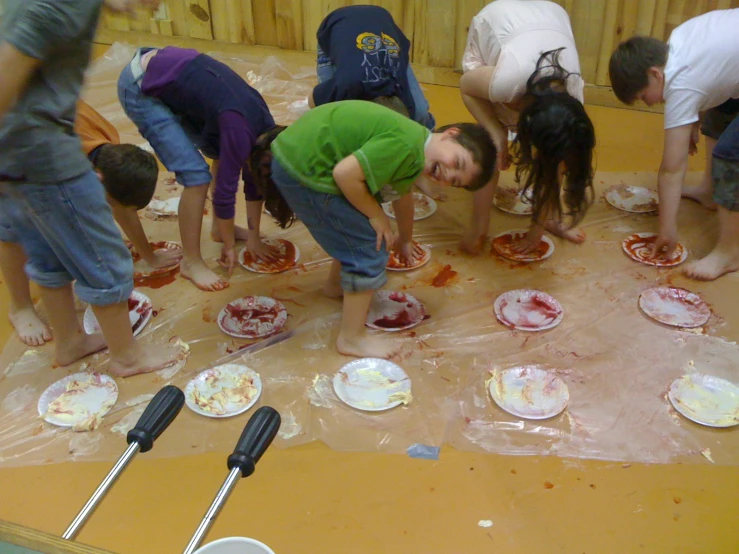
313,500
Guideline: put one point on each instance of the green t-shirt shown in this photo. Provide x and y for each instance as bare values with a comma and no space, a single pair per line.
389,146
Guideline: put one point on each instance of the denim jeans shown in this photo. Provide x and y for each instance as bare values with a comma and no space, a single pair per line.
340,229
68,233
325,69
173,144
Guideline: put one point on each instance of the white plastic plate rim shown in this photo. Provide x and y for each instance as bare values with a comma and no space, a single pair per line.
238,368
386,368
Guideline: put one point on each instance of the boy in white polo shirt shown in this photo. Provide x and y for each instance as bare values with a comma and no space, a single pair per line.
696,75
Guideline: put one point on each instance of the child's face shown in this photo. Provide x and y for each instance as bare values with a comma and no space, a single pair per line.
448,162
652,93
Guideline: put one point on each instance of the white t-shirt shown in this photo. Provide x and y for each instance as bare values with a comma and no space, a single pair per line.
702,69
511,35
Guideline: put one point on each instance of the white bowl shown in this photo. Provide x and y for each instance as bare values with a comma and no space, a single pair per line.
235,545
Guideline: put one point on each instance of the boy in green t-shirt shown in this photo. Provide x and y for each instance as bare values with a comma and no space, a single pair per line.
333,167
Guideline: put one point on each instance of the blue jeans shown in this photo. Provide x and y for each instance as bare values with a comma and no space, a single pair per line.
174,145
340,229
724,122
325,69
68,233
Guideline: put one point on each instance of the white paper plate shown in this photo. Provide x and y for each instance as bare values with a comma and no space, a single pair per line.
223,391
372,385
512,201
245,326
638,247
394,311
637,200
92,396
142,270
167,207
528,310
277,267
674,306
423,207
139,315
530,392
393,263
705,399
502,245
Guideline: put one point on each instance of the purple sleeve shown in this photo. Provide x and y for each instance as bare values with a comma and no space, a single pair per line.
237,140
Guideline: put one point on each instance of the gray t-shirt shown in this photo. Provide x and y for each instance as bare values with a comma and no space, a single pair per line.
37,140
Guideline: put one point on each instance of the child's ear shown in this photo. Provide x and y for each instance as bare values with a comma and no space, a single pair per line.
451,132
100,175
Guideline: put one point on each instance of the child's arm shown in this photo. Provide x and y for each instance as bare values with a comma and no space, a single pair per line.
16,69
128,219
350,179
670,183
482,204
404,211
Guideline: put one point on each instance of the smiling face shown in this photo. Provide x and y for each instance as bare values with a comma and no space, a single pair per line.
448,162
652,93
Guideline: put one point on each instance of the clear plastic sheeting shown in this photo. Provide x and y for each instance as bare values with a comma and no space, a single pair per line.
617,363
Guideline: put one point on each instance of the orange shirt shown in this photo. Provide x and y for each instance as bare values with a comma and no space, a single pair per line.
93,129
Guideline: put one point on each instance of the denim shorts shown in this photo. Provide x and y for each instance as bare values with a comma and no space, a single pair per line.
175,146
340,229
725,162
68,233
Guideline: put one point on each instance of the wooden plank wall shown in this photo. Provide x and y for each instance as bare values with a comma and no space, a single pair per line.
437,28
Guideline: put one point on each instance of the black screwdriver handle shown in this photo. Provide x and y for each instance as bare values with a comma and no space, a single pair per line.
157,416
258,434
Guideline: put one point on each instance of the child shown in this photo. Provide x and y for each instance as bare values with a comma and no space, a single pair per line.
329,168
363,55
129,175
696,75
183,101
521,74
49,194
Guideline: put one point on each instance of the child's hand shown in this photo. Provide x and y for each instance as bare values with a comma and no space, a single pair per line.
409,252
165,258
472,243
530,242
228,259
665,244
260,251
384,230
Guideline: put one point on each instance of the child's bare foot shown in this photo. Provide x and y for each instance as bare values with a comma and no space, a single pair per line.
700,193
31,330
713,266
366,346
146,358
239,233
82,345
203,278
332,290
558,229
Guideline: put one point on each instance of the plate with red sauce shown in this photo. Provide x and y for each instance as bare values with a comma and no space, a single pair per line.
638,247
372,385
675,306
504,245
252,317
528,310
142,270
394,263
139,314
423,207
394,311
512,200
288,257
637,200
530,392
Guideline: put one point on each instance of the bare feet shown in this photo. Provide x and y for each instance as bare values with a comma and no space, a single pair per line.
146,358
700,193
557,228
203,278
239,233
82,345
31,330
713,266
332,290
366,346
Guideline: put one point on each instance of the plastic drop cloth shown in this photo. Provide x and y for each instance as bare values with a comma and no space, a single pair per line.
616,362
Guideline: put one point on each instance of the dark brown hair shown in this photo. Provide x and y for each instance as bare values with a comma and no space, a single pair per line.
629,65
260,163
554,128
477,140
129,174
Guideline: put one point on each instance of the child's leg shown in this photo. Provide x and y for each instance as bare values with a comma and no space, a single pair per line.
22,314
175,149
332,287
703,192
353,339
